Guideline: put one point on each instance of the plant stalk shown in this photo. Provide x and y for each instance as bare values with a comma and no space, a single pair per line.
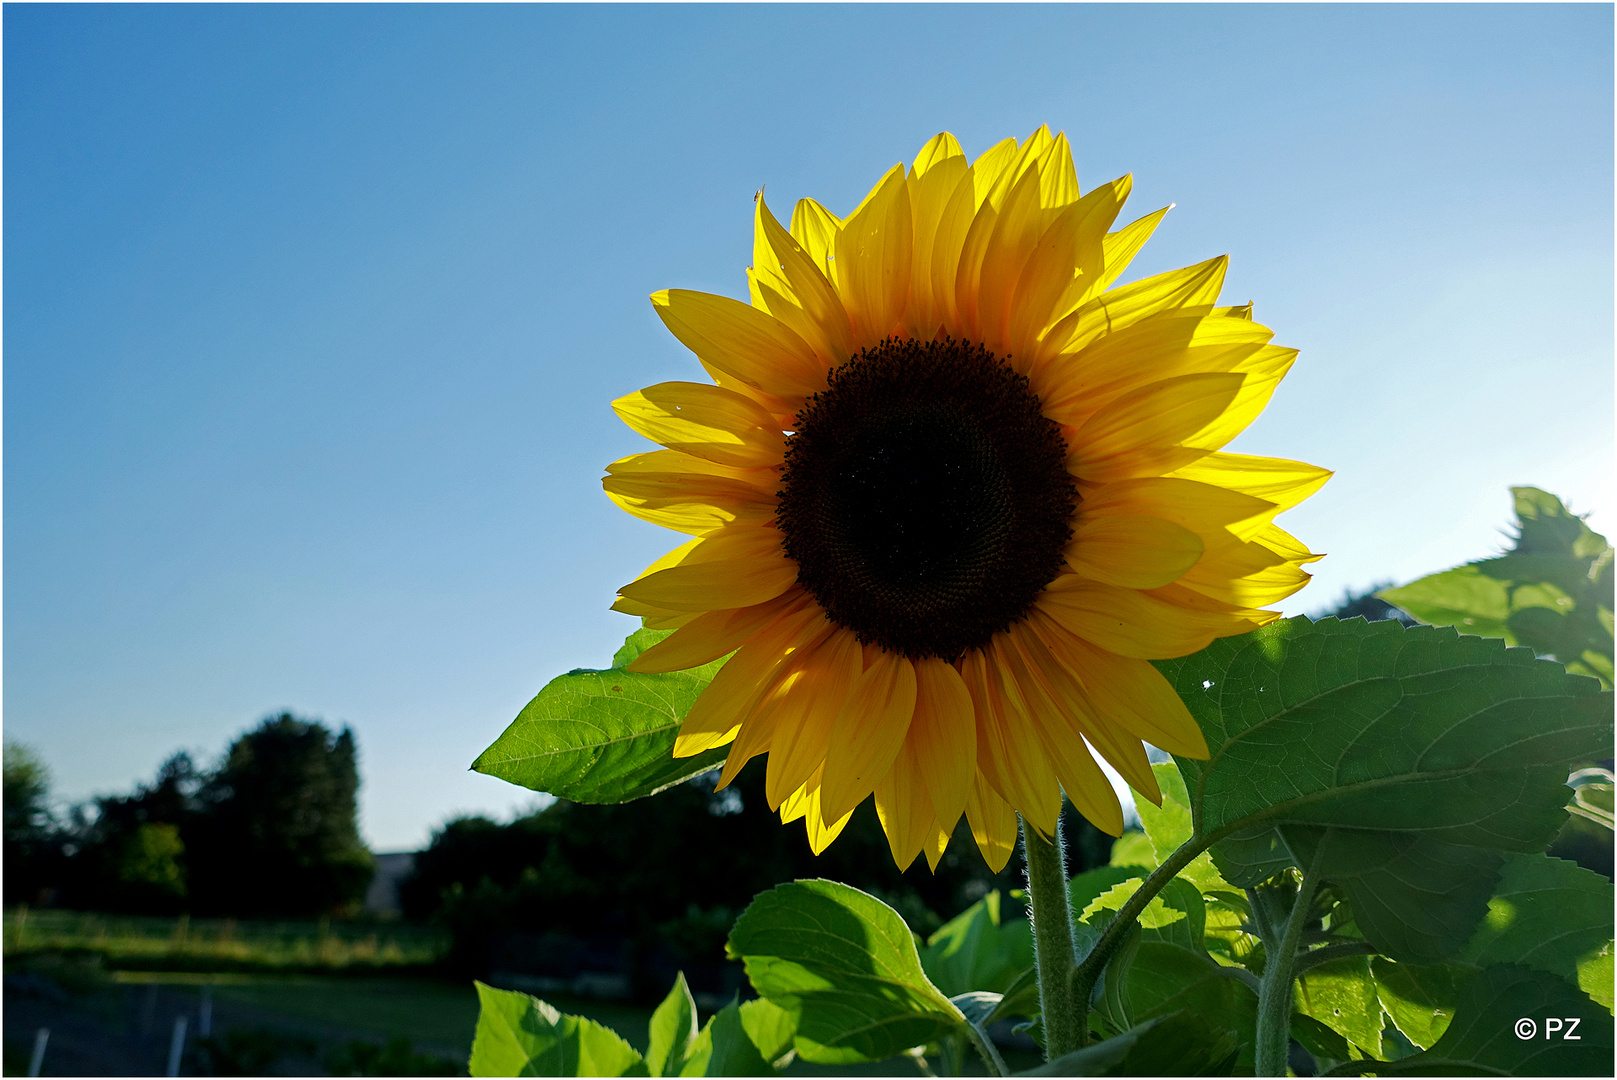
1065,1023
1088,972
1275,988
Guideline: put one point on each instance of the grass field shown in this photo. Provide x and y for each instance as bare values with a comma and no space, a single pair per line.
187,944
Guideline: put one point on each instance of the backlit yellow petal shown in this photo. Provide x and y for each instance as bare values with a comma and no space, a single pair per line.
1131,550
1128,622
868,733
799,749
993,824
1129,693
739,339
704,420
943,737
873,254
712,634
717,715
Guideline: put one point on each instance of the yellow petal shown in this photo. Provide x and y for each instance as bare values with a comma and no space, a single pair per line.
992,170
958,216
937,173
717,714
805,803
1262,374
1015,235
1009,753
815,228
712,634
812,307
1121,247
733,569
1131,623
943,737
993,824
873,253
1056,728
1110,312
868,733
690,494
1070,252
1139,433
1207,510
741,340
1068,697
705,420
799,748
1169,344
1129,693
1058,180
1131,550
939,843
904,808
1284,483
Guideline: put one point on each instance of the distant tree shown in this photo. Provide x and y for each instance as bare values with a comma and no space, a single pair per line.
1367,605
276,831
675,869
32,848
130,849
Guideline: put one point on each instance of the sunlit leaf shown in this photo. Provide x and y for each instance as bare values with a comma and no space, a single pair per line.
604,736
845,966
673,1029
519,1035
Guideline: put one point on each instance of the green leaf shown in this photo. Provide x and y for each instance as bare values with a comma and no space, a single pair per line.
1083,889
1414,898
1251,856
1378,726
1342,996
1420,998
1552,592
1547,914
673,1029
770,1027
1318,1039
976,951
1180,1044
845,965
1164,967
1134,849
1021,998
1483,1037
519,1035
604,736
1169,826
1427,752
724,1048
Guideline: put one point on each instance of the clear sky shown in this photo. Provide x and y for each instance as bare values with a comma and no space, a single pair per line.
312,314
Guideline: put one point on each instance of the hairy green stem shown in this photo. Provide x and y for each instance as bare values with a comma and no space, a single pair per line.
1088,972
1065,1024
1274,989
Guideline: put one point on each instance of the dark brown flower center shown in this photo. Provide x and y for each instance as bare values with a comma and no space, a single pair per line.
925,498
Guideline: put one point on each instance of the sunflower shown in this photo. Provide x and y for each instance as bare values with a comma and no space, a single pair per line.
949,493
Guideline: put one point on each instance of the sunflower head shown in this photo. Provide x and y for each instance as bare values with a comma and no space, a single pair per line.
949,492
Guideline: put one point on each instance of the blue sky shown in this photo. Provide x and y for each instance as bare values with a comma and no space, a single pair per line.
313,313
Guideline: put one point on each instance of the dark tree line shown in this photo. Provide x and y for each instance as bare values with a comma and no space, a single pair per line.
269,831
671,872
